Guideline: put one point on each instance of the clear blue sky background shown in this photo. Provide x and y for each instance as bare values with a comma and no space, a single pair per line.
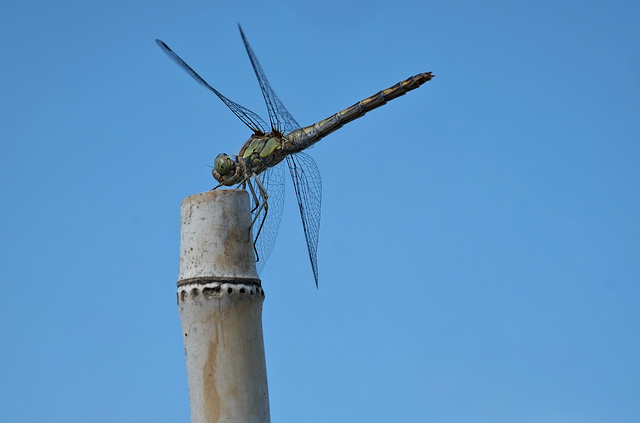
480,240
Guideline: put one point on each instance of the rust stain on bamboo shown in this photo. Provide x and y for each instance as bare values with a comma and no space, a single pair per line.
212,401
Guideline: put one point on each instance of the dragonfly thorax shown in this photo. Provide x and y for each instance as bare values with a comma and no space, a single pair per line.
260,152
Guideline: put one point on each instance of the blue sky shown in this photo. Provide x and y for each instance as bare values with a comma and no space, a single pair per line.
479,254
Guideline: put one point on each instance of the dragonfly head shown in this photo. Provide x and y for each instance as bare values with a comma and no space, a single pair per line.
223,164
226,170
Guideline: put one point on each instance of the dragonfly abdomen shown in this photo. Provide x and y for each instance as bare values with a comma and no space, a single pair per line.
305,137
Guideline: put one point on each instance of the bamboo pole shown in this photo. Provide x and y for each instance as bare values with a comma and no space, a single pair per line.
220,305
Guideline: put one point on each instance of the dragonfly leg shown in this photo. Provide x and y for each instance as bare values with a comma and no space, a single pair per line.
264,205
259,206
255,199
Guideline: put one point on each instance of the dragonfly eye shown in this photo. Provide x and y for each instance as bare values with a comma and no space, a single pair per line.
223,164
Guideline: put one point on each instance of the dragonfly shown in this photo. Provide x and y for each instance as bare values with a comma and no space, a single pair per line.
256,167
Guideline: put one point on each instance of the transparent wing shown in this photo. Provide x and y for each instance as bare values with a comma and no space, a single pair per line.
308,185
280,118
268,222
249,118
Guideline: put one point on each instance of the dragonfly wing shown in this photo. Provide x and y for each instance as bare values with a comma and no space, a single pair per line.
308,186
249,118
268,220
279,117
